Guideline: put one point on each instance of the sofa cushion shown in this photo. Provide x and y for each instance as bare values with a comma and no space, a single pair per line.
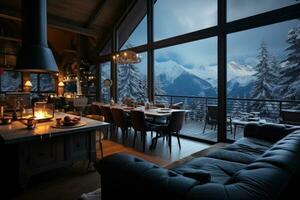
285,154
245,150
220,170
259,180
198,174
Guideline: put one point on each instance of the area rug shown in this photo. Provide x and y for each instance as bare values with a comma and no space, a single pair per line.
95,195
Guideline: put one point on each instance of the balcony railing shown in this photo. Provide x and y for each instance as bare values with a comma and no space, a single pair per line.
237,108
268,109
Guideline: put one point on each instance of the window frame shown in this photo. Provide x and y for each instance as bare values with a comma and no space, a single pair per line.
3,92
39,91
38,84
221,30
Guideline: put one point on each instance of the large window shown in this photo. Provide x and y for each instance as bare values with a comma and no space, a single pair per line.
262,61
177,17
11,81
34,81
238,9
263,69
47,83
188,69
106,50
105,69
132,80
187,74
133,29
138,37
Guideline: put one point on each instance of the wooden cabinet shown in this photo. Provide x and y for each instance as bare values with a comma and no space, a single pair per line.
40,154
21,161
79,146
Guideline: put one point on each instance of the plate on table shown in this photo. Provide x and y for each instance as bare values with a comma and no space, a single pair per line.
166,109
70,125
163,111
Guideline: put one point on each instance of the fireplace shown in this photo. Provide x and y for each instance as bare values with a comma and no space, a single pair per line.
43,111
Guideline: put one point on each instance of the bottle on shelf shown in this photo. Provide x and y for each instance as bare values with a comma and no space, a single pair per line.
112,102
147,104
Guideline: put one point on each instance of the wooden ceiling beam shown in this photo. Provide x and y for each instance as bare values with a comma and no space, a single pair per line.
10,14
10,39
67,25
54,22
105,38
95,13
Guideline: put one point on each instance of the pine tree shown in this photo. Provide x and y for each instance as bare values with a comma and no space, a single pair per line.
275,75
237,108
263,88
159,91
130,83
105,74
291,72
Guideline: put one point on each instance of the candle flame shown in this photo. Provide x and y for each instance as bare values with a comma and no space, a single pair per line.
42,115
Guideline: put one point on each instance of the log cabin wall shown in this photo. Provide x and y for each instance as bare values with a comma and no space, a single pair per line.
58,40
92,21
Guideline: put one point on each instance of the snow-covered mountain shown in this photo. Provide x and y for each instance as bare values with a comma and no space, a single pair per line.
234,70
202,80
188,84
169,70
176,79
240,86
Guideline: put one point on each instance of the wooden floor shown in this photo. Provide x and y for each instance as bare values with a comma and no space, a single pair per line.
160,155
69,183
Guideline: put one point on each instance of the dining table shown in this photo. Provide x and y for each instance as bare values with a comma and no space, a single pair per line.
153,112
150,112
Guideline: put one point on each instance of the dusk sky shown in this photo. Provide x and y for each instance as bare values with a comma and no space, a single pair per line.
191,15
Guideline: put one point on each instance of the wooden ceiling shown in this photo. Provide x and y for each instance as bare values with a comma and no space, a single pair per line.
92,18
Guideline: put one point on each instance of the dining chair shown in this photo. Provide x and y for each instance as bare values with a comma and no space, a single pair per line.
173,127
94,110
211,118
106,112
140,124
80,103
121,121
99,133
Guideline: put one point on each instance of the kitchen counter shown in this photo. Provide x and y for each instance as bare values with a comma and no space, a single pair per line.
28,152
18,132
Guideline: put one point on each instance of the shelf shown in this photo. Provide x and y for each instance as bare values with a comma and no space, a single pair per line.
70,51
10,39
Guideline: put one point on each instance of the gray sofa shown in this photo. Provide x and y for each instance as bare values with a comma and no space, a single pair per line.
264,164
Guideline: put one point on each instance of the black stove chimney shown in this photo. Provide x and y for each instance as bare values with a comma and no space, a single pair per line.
34,55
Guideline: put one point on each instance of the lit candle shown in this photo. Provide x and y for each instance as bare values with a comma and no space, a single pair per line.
1,111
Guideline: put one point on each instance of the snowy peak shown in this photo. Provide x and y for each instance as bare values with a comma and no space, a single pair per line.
168,70
202,80
235,70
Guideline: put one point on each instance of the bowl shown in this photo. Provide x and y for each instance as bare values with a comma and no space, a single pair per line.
6,120
72,122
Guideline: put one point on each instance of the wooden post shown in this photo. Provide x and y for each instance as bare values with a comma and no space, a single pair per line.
222,72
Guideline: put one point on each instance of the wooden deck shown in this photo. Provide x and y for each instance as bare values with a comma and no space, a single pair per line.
195,129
